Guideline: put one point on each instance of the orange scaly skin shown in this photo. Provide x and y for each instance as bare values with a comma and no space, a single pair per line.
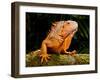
59,39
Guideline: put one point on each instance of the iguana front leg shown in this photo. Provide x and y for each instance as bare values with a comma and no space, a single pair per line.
43,54
66,44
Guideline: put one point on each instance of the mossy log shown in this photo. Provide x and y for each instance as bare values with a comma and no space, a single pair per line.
33,59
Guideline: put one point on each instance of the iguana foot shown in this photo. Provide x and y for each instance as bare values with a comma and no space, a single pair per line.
71,53
44,57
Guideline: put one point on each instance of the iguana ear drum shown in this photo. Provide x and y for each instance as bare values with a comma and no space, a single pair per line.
59,39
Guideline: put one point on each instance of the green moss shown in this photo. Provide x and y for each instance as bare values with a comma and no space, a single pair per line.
33,59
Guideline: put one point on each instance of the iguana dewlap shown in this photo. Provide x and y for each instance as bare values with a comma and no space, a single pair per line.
59,38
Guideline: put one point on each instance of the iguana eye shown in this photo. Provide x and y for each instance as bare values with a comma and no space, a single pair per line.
53,24
68,22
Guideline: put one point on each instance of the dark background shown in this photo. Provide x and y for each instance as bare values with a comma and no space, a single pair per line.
38,25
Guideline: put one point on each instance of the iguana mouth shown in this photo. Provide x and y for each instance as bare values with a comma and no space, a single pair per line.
71,32
74,30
